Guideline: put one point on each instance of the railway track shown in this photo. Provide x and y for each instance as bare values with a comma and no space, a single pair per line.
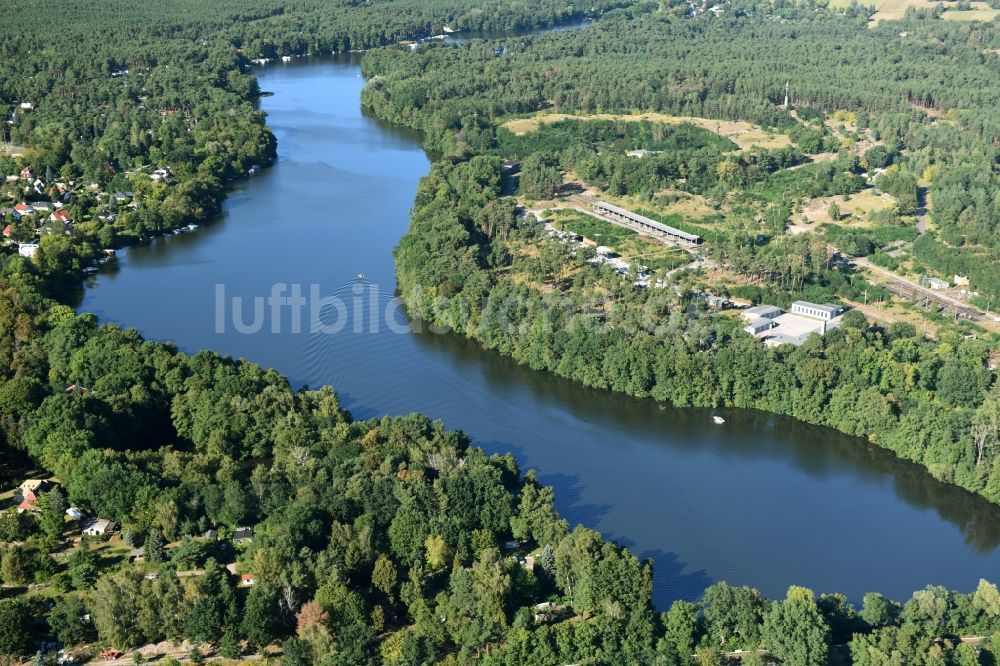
931,300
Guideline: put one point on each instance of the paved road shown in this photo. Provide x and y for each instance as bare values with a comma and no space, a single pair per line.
922,210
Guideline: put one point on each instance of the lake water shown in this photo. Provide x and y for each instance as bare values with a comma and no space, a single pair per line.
760,500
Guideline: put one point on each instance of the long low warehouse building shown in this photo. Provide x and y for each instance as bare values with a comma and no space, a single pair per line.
645,225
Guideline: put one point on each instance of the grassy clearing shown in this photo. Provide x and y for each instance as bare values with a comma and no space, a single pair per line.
893,10
689,206
844,4
782,185
857,205
743,134
981,11
611,135
681,207
631,246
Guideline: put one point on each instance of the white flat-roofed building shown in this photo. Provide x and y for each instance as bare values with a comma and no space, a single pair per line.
759,325
795,329
760,312
934,283
825,311
791,328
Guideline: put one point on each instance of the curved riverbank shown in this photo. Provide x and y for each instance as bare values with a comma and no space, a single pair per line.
762,500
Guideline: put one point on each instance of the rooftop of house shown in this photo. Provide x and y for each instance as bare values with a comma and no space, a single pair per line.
99,525
35,485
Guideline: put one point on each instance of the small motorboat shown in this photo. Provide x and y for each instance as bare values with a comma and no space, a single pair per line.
360,276
718,420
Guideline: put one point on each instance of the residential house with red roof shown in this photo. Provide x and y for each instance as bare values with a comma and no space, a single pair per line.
61,215
28,493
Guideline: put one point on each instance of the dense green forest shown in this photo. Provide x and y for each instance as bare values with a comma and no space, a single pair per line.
384,541
928,400
393,541
118,90
927,97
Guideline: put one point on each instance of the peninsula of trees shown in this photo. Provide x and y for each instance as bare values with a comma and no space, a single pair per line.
472,262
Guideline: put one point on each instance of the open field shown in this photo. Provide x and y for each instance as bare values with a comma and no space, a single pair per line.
889,10
743,134
981,12
855,205
688,206
843,4
892,10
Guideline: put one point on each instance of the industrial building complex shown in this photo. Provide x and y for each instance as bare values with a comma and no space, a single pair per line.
775,327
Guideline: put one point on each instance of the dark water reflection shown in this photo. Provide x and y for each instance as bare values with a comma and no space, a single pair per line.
760,500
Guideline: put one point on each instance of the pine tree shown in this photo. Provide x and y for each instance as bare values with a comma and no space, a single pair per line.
154,550
52,518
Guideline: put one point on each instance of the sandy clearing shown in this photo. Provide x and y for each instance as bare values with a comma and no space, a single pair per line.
743,134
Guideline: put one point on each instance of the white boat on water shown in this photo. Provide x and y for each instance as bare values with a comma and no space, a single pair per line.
718,420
